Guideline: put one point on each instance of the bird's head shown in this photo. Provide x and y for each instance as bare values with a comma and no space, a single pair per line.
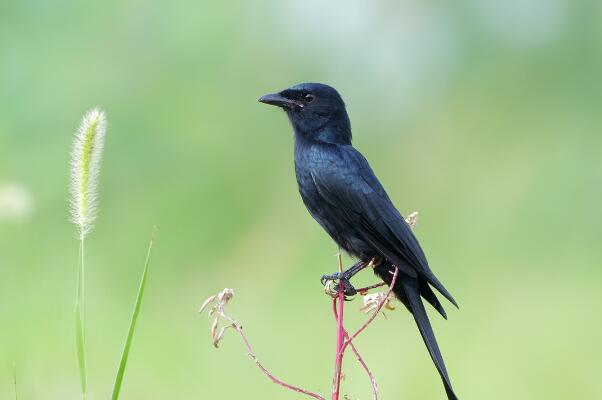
315,110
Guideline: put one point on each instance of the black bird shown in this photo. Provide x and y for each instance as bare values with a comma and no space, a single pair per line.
342,193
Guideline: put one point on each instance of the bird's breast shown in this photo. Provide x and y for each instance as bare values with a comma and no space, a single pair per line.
327,215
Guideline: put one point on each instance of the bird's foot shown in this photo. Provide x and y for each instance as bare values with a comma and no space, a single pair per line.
336,283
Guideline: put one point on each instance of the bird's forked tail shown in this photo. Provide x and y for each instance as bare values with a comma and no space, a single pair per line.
407,289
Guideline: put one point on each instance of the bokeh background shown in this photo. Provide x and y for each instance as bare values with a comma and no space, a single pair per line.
484,115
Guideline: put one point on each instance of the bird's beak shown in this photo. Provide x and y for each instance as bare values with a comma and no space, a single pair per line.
276,99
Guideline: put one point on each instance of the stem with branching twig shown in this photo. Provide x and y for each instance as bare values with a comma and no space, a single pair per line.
359,358
342,340
349,340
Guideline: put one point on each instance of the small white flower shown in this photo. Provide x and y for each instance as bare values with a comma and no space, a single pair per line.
371,301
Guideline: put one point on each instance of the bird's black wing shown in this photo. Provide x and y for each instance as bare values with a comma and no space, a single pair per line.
345,180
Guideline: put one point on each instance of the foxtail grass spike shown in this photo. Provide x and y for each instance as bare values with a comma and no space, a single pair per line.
85,168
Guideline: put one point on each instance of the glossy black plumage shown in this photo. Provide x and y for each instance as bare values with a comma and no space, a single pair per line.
344,196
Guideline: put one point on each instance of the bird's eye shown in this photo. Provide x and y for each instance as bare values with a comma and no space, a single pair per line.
309,98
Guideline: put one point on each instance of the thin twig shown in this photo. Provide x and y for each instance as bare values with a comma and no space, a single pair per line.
361,361
367,288
219,309
374,314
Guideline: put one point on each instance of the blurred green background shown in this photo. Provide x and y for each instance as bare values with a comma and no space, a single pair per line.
483,115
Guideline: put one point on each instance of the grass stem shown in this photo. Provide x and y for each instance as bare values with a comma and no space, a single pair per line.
15,381
80,341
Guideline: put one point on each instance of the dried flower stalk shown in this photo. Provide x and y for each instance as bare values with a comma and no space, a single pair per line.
219,302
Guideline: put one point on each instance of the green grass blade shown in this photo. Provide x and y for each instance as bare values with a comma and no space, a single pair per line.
79,323
130,335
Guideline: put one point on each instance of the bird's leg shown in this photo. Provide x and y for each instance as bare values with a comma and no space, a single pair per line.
332,287
345,275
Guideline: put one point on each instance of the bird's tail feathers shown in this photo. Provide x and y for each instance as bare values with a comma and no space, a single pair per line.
432,279
409,291
427,293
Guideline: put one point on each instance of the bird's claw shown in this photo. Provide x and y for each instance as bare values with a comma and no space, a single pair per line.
332,286
333,277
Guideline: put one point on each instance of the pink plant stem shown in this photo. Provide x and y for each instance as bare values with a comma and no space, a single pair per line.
360,360
374,314
365,289
338,362
338,366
